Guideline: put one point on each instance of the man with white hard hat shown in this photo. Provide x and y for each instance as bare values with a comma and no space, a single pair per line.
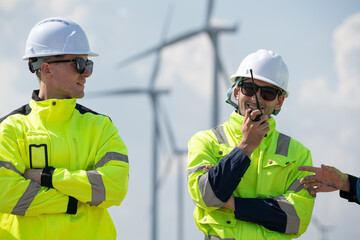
243,174
61,164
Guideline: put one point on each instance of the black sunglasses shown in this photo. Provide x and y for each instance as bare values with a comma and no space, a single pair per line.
267,93
80,64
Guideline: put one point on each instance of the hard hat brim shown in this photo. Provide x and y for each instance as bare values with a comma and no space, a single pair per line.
90,53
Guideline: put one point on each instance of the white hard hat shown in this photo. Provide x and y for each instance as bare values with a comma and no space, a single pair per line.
266,66
56,36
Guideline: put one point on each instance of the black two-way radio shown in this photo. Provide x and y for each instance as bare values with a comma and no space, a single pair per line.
257,118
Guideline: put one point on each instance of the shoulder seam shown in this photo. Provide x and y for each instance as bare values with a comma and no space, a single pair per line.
24,110
220,135
82,110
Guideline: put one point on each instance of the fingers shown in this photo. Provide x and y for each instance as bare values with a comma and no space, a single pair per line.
254,113
307,179
261,125
208,167
309,169
316,187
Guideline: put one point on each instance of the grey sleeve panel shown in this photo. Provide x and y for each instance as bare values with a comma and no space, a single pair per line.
26,199
195,169
207,193
283,143
220,134
293,220
97,188
9,166
112,156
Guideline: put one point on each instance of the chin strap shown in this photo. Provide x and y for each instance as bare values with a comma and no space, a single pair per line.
230,93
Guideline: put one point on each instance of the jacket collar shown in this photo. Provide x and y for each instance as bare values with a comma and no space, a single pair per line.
52,111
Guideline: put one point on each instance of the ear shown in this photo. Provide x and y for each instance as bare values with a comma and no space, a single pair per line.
237,93
280,101
45,69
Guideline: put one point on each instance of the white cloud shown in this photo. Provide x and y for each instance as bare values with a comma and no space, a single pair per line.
9,84
7,5
191,63
347,58
347,61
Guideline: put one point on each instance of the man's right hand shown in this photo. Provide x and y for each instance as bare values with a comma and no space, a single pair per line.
253,132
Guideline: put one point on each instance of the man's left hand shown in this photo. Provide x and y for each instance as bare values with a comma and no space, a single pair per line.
33,174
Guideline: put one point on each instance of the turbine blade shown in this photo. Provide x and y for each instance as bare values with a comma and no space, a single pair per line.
159,47
209,12
131,91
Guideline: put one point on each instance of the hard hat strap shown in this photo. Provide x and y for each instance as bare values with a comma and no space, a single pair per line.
35,65
230,93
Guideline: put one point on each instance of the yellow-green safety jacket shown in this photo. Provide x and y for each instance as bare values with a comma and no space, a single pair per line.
270,202
85,171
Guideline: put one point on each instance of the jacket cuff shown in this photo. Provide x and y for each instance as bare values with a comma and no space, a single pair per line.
46,177
72,205
350,196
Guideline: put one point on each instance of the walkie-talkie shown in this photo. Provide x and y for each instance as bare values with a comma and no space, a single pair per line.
257,118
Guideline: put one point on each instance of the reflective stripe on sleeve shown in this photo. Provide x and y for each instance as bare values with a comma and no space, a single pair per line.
112,156
195,169
97,187
9,166
293,220
282,147
26,199
212,237
297,187
207,193
220,134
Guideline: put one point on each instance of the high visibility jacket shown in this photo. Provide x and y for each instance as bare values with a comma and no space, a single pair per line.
88,172
270,202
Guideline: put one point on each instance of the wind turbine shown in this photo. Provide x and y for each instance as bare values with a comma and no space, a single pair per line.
154,95
322,228
213,32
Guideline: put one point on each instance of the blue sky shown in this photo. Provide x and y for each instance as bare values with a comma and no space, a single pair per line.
318,40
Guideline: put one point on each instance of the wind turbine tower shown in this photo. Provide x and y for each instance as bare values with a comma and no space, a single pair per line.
213,32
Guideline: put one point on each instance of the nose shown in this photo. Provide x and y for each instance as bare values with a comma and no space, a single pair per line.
258,94
86,72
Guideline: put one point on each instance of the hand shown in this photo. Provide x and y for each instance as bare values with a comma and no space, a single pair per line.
326,179
207,167
253,132
230,204
33,174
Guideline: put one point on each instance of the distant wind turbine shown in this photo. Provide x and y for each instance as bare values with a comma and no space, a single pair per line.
213,32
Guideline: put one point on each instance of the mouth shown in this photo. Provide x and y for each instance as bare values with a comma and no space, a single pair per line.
254,106
81,83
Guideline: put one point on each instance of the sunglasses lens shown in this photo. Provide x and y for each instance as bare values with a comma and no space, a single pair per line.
90,65
247,89
81,64
269,93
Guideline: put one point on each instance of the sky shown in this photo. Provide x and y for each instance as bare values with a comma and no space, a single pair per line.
318,40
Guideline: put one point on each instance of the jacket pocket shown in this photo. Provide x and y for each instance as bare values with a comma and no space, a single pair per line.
274,175
38,148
